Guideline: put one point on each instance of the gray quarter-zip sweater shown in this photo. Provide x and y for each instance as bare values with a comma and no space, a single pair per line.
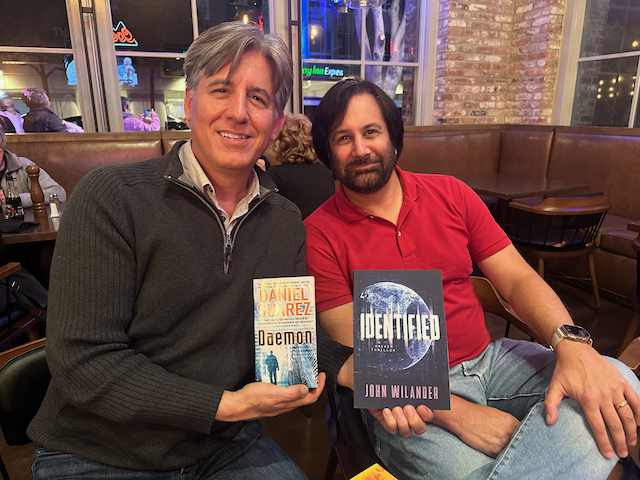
151,314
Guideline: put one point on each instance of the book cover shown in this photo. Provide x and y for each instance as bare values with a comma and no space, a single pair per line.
400,339
286,344
374,472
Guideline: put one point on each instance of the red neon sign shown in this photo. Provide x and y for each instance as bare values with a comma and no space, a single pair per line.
122,36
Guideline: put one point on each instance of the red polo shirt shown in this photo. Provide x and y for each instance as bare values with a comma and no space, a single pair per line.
443,225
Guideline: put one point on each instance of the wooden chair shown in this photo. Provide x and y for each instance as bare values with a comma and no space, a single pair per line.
17,321
559,227
351,446
24,379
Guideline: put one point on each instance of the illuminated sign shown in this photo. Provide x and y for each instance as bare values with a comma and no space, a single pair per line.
122,37
323,71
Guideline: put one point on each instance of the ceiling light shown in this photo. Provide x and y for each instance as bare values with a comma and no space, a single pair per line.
364,3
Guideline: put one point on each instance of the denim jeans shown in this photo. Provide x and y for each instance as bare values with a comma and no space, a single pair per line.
512,376
251,456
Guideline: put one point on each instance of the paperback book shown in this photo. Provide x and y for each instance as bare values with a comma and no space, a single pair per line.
286,344
400,339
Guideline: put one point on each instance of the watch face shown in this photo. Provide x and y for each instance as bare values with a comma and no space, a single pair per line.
577,331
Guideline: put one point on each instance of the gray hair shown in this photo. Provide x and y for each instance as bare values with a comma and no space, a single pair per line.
227,42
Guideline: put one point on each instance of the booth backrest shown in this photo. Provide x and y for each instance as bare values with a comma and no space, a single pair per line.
606,159
525,150
460,152
170,138
67,157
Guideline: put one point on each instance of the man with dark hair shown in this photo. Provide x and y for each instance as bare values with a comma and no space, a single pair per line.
150,334
517,410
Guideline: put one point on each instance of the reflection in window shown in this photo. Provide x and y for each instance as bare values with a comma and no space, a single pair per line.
37,23
152,25
604,92
611,27
156,83
332,31
51,72
212,13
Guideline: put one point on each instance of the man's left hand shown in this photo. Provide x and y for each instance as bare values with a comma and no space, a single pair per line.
607,399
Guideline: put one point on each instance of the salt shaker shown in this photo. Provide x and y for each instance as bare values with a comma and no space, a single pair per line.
54,204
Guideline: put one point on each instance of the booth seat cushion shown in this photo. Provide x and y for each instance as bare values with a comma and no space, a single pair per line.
170,138
525,150
68,157
457,152
615,238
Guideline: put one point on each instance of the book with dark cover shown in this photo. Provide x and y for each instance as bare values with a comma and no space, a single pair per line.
400,340
286,344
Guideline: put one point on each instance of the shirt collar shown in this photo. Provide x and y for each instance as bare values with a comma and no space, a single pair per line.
194,172
351,213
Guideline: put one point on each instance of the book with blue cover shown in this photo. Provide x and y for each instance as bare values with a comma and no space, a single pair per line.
286,343
400,339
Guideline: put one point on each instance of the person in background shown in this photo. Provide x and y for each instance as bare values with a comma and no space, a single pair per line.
12,166
40,118
150,338
300,176
8,110
142,123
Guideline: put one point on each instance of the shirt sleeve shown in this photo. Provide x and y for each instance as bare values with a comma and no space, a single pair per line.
486,237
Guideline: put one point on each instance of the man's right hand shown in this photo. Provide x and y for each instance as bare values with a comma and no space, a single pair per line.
259,400
405,420
486,429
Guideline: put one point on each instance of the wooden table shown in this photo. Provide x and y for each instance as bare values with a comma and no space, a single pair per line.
506,187
46,230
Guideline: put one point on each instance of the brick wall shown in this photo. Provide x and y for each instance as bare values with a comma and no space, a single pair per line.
497,60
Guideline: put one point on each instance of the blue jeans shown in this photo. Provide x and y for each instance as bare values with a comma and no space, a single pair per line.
512,376
251,456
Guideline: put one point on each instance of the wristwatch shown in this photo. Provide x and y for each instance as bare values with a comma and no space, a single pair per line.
574,333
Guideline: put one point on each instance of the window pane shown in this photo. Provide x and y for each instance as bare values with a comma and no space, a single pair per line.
604,91
315,84
157,83
53,72
329,30
152,25
38,23
610,27
212,13
385,23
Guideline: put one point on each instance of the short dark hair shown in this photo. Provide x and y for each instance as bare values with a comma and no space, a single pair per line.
35,97
125,103
333,108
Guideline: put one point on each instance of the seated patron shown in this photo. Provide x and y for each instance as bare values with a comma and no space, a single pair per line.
14,167
8,110
518,409
40,118
150,337
300,176
142,123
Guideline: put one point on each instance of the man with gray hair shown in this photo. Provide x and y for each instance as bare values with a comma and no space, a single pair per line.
150,331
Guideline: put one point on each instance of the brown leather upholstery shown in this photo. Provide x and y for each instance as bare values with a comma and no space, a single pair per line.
459,152
608,163
171,137
67,157
525,150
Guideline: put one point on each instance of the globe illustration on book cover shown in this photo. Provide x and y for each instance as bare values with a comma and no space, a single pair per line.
396,302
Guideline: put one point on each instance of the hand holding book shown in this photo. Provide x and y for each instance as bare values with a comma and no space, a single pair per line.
260,399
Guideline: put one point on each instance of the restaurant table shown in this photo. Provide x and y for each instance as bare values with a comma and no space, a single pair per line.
46,230
507,186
